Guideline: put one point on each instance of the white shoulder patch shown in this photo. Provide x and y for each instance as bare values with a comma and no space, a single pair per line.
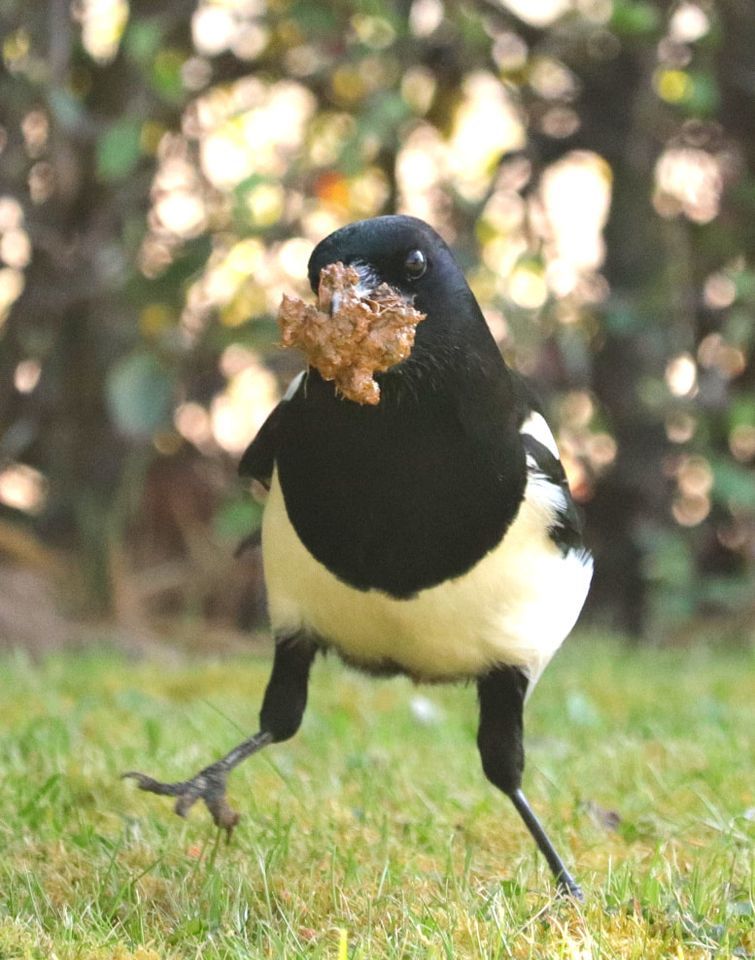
294,386
536,427
543,493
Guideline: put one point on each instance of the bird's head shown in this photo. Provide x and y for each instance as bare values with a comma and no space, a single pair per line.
402,251
363,337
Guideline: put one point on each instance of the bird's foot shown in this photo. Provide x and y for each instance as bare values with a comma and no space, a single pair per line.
568,887
208,785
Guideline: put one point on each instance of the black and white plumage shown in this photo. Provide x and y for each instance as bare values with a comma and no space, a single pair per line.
432,535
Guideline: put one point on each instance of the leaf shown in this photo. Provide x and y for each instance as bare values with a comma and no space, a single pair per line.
742,412
608,819
734,484
315,19
703,98
143,39
119,149
238,518
139,394
166,75
745,284
633,18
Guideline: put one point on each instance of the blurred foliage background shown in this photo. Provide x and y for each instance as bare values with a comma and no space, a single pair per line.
167,165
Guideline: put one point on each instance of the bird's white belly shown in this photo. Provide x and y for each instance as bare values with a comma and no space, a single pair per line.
515,606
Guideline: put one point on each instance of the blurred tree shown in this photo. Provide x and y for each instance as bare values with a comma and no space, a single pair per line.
165,168
80,125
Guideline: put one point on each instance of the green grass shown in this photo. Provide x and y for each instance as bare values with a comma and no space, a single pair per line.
373,834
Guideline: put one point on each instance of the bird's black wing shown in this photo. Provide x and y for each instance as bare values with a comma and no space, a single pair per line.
259,457
544,467
258,461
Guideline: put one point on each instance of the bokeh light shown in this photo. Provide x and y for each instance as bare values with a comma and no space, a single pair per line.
23,488
103,23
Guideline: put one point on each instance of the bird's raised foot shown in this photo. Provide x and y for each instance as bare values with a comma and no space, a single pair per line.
208,785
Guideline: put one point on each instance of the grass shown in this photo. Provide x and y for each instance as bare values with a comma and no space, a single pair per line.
373,834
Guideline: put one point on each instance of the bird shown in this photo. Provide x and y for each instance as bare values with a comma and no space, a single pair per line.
431,535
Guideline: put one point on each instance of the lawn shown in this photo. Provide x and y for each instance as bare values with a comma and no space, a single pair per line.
373,833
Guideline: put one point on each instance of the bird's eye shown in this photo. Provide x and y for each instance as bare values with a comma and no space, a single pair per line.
415,264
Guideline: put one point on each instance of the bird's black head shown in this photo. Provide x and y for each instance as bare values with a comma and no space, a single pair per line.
402,251
410,256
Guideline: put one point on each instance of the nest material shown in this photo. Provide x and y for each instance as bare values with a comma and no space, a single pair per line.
347,337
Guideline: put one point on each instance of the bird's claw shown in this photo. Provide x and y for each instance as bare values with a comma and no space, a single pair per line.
208,785
567,887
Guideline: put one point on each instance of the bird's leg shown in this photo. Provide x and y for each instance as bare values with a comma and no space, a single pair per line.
499,739
282,710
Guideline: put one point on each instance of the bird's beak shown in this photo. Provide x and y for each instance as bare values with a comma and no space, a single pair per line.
368,281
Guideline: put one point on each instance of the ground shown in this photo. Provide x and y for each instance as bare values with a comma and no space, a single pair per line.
373,834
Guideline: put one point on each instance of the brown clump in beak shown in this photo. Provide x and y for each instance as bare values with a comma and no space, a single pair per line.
348,337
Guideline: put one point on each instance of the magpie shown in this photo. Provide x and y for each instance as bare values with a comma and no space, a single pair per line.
431,535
